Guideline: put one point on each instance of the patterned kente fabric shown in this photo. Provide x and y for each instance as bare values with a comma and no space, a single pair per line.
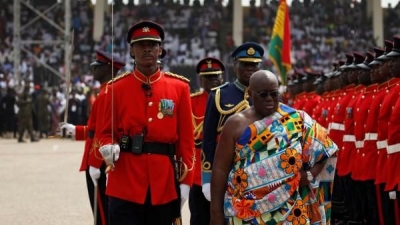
263,185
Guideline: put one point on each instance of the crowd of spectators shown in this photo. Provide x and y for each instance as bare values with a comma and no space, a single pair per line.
322,32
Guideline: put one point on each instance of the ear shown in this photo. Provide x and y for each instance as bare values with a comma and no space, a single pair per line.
160,50
132,52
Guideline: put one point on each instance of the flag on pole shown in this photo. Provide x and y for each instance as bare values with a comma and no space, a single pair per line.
280,44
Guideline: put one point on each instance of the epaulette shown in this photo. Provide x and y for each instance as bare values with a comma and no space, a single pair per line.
196,94
115,79
220,86
177,76
119,77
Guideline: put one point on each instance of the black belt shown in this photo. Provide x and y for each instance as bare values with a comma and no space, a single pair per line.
156,148
91,133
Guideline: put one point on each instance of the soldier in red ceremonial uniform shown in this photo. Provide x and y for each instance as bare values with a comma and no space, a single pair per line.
148,139
336,126
104,68
393,137
337,130
320,91
309,87
336,94
210,71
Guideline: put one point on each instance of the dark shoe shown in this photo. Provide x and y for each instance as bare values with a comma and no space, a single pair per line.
21,141
34,140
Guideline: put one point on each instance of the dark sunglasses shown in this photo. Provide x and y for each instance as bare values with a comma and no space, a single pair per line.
265,94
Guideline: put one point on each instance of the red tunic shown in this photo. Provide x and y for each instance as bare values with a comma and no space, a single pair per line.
317,113
325,102
91,157
312,100
137,110
334,98
300,101
336,126
369,161
391,96
199,102
391,166
360,115
348,151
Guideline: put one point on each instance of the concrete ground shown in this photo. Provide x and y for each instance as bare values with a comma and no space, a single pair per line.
40,184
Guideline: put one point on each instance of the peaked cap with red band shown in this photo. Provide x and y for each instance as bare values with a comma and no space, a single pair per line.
210,66
106,58
145,30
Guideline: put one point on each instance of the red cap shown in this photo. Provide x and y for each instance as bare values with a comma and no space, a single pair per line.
145,31
210,66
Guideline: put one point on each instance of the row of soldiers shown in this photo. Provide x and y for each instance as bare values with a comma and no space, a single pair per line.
358,102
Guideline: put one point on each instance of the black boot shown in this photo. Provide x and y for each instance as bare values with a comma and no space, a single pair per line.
20,140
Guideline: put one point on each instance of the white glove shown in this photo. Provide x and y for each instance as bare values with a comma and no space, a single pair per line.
70,129
392,195
184,193
206,191
94,174
110,153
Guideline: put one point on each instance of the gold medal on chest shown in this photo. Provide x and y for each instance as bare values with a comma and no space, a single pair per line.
160,115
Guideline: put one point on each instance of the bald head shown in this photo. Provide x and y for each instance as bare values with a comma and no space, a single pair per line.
263,77
264,92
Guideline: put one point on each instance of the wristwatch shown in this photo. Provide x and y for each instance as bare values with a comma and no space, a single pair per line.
310,177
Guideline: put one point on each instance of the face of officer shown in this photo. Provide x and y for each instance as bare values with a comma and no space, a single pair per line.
244,70
353,76
102,72
308,86
376,76
343,78
146,54
210,81
385,69
395,67
264,92
364,77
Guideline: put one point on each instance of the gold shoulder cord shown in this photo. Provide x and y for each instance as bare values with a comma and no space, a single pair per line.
244,104
115,79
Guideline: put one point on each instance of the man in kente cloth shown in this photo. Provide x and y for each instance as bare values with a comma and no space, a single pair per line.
267,156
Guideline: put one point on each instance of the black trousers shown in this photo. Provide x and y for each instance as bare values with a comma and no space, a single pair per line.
387,205
338,199
364,203
199,207
102,198
124,212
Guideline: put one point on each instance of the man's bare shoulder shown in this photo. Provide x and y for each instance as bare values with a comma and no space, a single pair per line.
241,116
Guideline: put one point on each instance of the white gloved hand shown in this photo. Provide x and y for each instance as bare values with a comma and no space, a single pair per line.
392,195
70,129
184,193
94,174
110,153
206,191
